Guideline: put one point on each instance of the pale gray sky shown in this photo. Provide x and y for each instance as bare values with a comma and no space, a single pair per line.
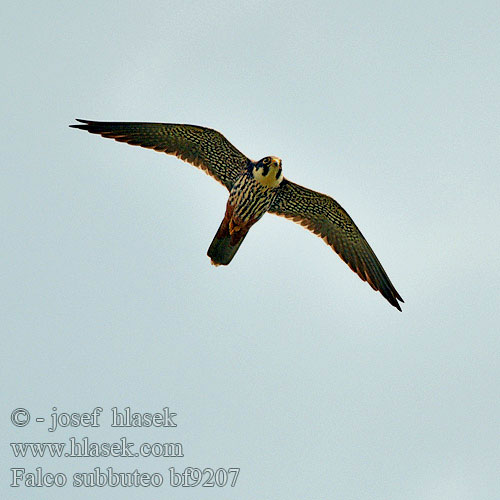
284,364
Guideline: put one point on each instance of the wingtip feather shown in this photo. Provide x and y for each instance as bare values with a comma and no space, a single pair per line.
77,125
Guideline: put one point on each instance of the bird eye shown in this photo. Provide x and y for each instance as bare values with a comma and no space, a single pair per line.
266,160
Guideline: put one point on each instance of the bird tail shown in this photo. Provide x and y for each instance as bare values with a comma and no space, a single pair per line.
229,237
224,245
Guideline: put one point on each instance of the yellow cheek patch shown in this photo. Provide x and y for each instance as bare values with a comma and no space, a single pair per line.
270,179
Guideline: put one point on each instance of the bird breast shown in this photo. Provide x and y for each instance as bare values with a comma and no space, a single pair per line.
249,198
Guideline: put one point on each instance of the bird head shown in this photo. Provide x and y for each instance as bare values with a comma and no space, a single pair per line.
268,171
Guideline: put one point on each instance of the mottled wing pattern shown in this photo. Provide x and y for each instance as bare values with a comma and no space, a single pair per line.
203,147
325,217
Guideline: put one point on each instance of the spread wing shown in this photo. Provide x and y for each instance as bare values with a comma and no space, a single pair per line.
325,217
203,147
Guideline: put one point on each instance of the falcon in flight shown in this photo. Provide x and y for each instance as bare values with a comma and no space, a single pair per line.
254,189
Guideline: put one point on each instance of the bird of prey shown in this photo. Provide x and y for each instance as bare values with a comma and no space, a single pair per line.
255,187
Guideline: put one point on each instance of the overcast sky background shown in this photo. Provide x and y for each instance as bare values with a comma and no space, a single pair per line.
285,363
